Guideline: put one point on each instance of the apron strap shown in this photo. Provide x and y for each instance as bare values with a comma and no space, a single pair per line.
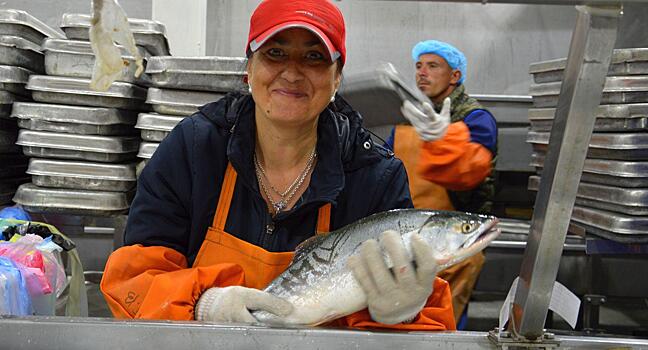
324,219
227,192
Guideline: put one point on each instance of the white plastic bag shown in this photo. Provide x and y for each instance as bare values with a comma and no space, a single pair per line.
110,25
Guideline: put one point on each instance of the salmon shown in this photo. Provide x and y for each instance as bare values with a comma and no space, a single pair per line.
322,288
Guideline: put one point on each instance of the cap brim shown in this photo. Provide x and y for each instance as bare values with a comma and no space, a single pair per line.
261,39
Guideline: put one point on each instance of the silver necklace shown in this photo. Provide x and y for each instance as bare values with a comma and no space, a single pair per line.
290,192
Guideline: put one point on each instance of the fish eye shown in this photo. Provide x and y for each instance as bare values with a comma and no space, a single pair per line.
466,227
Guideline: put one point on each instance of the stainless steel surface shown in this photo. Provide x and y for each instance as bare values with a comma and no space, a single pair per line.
74,202
609,221
609,118
179,102
155,127
71,58
219,74
13,79
607,172
378,95
514,153
147,149
147,33
80,147
74,119
507,109
624,62
621,89
16,51
619,146
588,60
633,201
21,23
76,91
82,175
52,333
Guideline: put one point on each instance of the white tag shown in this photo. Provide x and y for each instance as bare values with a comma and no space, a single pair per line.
506,307
565,303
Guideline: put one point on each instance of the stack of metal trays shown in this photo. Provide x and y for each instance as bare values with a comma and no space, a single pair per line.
82,143
148,34
21,36
181,86
612,197
72,58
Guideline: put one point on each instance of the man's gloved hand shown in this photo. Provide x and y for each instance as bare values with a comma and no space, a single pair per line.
399,296
233,304
429,124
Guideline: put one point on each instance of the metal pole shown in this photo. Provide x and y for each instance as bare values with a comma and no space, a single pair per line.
587,65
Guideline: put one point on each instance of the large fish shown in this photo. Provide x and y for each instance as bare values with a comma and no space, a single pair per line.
322,288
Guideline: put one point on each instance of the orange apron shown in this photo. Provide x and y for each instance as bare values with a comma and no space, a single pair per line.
260,266
425,194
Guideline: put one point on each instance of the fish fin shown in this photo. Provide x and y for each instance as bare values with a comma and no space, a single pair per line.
326,319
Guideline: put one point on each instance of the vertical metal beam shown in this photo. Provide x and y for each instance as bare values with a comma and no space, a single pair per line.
587,65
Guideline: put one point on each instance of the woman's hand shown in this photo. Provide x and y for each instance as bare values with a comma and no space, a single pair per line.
233,304
399,296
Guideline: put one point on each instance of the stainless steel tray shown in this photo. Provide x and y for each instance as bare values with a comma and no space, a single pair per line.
16,51
633,201
622,89
220,74
22,24
624,62
147,149
618,146
13,79
609,118
75,202
179,102
71,58
74,119
79,147
76,91
615,226
155,127
147,33
378,96
607,172
82,175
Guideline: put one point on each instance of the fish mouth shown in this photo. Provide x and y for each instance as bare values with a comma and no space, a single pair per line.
486,234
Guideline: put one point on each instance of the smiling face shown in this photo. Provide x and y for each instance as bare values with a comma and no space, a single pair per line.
292,78
435,77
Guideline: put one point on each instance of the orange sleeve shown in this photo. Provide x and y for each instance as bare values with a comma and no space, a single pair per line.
155,283
437,315
453,161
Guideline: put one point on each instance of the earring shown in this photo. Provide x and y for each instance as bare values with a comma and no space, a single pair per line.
333,97
249,88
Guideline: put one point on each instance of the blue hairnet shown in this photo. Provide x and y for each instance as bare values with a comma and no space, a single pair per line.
454,57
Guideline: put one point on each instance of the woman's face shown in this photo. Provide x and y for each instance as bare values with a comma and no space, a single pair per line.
292,77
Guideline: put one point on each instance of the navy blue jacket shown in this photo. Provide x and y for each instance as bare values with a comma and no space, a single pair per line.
178,190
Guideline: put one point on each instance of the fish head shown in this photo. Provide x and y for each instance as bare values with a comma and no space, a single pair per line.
454,236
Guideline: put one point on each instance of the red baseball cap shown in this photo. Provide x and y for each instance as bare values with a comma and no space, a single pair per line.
319,16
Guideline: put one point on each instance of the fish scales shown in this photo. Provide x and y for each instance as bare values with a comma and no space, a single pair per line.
322,288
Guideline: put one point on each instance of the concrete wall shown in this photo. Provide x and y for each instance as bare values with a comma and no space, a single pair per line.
51,11
500,41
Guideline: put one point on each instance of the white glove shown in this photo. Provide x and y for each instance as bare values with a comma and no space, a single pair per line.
429,124
399,296
233,304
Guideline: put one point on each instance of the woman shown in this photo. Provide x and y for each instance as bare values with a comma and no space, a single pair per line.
235,188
